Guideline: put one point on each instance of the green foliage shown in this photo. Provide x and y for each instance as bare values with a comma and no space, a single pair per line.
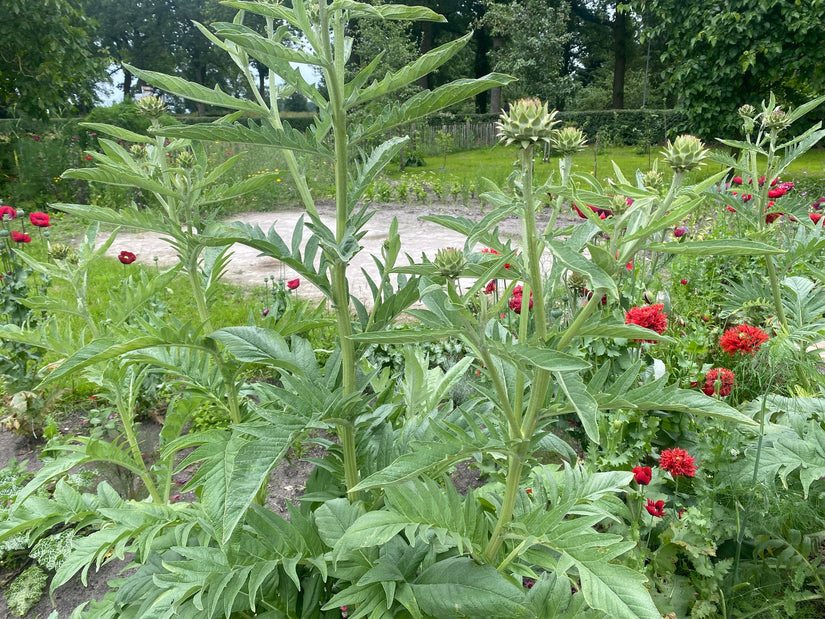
25,591
49,61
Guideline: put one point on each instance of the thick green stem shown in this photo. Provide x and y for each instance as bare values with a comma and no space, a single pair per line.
583,315
126,418
531,244
515,464
197,290
777,295
340,295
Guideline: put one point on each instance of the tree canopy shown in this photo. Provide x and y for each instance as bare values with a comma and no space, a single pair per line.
48,60
720,55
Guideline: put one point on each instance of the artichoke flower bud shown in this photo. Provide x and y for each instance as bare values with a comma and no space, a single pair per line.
138,152
450,262
653,180
151,107
685,153
747,111
568,141
576,283
526,123
776,119
61,251
185,159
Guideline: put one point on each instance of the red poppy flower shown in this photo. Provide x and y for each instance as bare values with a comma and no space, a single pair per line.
648,316
678,462
726,379
815,217
746,197
293,283
657,509
683,282
736,180
7,212
777,192
743,339
40,220
487,250
642,475
126,257
730,208
20,237
491,287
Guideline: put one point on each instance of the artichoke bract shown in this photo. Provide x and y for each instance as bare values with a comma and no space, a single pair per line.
685,153
450,262
151,107
527,122
568,141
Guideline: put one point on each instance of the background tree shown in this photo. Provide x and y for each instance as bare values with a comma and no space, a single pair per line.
721,55
529,41
48,63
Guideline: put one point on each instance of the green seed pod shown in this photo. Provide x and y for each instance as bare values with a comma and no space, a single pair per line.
653,180
685,153
527,122
61,251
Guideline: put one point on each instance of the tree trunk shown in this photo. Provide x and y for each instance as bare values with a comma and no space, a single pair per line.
619,26
495,93
426,45
127,85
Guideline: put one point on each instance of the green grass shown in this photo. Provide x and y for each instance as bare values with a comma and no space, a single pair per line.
498,162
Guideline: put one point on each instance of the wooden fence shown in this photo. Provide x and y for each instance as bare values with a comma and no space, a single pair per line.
464,136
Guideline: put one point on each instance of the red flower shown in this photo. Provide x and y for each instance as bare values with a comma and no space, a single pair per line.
126,257
642,475
746,197
679,231
683,282
777,192
37,138
293,283
815,217
491,287
40,220
7,210
736,180
656,509
487,250
648,316
726,380
730,208
515,302
20,237
742,339
678,462
88,157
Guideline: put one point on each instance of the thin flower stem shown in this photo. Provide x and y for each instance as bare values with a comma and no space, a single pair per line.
775,291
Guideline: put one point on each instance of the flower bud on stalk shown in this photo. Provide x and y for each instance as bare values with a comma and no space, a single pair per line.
686,153
776,120
747,112
450,262
526,123
151,107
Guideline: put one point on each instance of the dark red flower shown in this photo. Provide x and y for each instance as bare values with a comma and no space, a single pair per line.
126,257
680,231
777,192
491,287
746,197
743,339
683,282
736,180
515,302
40,220
20,237
265,312
293,283
815,217
7,212
725,378
642,475
37,138
655,509
678,462
647,316
730,208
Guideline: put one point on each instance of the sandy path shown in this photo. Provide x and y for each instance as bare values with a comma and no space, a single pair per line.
248,268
